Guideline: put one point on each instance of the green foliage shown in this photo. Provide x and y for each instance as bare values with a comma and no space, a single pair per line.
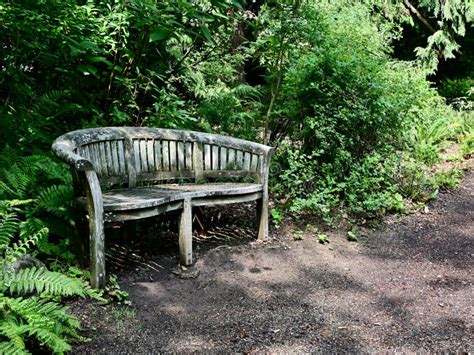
351,236
323,239
44,188
37,319
298,235
356,119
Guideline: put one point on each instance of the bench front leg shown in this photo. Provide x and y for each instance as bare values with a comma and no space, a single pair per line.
186,234
262,217
95,210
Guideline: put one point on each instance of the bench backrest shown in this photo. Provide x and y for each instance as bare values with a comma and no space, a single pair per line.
131,155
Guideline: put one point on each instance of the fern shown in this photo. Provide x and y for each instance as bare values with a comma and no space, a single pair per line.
40,280
40,319
9,225
53,198
9,347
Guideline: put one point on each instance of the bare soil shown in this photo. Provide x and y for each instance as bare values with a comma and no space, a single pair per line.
405,287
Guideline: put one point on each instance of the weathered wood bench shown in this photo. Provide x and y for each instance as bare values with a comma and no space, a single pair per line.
127,173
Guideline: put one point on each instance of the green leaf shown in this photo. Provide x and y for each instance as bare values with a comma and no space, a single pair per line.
159,34
87,69
206,33
237,4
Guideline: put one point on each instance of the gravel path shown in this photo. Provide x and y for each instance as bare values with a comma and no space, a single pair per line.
405,287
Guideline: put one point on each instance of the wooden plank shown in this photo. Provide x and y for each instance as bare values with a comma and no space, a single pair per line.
130,215
95,158
115,157
223,164
247,158
239,160
121,157
207,157
262,204
186,234
96,230
150,155
231,160
166,155
136,155
215,157
102,159
89,135
230,174
181,158
224,200
108,158
188,156
173,162
158,156
254,164
197,162
143,156
130,162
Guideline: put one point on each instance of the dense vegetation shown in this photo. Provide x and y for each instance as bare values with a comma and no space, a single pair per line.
343,89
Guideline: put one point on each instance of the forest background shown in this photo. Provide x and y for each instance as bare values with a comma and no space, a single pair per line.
361,98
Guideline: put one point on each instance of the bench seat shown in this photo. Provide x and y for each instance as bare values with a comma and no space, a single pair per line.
156,195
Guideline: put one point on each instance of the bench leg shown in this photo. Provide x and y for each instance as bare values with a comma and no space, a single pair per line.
97,255
96,231
262,216
186,234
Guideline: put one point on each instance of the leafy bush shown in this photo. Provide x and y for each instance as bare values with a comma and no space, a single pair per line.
351,114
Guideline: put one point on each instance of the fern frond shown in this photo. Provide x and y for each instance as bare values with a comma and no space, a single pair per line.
22,247
54,199
14,332
40,280
11,348
244,90
44,320
9,225
31,226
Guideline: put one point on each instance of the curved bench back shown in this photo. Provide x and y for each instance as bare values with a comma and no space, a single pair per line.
131,155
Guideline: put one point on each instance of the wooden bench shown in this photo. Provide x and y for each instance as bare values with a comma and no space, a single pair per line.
128,173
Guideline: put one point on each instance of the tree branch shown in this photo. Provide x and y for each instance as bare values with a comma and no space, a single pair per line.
419,16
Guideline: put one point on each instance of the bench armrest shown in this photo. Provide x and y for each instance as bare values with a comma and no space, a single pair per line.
64,151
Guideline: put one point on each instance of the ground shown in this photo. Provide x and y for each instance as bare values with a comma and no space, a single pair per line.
405,286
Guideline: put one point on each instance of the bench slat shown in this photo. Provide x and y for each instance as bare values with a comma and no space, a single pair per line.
247,157
231,160
239,160
121,157
207,157
114,156
158,155
166,155
215,157
173,162
181,159
188,147
223,159
150,155
254,164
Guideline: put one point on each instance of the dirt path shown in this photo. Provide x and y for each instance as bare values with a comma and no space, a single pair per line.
405,287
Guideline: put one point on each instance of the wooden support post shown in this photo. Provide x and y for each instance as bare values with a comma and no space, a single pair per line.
262,204
262,217
186,234
96,231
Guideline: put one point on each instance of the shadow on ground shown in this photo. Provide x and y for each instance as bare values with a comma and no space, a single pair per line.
407,287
